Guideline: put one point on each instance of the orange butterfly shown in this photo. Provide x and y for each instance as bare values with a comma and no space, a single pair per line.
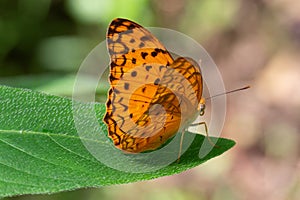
151,96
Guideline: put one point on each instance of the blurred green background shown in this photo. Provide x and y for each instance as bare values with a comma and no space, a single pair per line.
256,42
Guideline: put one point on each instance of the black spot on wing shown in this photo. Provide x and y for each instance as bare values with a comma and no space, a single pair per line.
144,54
133,74
148,67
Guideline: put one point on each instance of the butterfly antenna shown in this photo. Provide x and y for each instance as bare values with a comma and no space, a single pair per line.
228,92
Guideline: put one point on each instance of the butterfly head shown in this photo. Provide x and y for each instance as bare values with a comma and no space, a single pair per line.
201,106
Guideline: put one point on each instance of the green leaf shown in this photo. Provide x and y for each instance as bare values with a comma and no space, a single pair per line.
43,152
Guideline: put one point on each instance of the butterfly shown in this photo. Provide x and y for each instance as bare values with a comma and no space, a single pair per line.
151,95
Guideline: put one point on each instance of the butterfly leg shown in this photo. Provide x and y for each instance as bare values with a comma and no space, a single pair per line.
180,146
206,132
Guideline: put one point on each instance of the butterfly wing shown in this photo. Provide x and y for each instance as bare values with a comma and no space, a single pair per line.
179,93
130,45
185,79
139,72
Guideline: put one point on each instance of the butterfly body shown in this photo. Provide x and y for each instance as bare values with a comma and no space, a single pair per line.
152,96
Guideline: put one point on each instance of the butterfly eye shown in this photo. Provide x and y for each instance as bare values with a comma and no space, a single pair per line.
201,106
202,109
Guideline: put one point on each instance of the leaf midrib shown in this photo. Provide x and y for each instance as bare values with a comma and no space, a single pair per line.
43,159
